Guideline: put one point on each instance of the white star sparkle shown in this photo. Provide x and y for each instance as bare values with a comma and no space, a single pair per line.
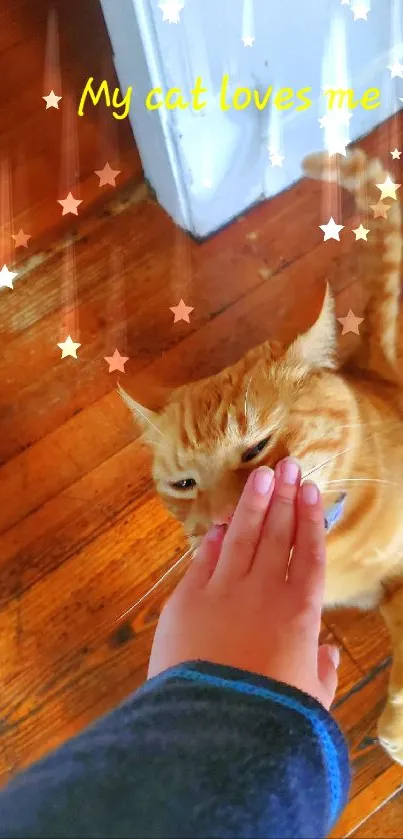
336,146
331,230
171,10
69,347
335,119
276,159
7,277
360,10
396,69
361,232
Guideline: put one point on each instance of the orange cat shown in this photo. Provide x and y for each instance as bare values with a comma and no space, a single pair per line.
344,425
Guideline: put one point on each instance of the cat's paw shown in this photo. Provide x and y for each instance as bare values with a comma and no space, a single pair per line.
390,730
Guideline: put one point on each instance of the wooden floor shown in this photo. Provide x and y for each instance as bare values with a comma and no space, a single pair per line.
83,536
45,153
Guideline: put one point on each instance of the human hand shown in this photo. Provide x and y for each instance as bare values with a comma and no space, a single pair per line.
238,606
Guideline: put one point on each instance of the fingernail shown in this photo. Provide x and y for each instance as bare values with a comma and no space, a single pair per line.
214,534
310,494
262,480
334,653
290,471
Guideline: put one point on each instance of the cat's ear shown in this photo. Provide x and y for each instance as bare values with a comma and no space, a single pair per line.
146,411
317,347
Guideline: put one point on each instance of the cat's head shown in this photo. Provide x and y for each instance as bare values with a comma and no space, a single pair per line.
207,436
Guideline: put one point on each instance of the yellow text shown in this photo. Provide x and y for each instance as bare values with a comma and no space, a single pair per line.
104,89
369,100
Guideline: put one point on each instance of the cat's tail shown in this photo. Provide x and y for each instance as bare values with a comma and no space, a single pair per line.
381,253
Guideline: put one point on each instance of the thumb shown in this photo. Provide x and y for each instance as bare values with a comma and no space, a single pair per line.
328,662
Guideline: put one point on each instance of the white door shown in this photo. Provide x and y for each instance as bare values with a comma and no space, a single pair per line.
210,160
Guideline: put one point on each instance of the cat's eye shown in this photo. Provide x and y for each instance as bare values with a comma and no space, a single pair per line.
250,454
187,483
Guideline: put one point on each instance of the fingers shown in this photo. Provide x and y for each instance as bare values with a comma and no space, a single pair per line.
243,534
277,536
328,662
307,568
205,559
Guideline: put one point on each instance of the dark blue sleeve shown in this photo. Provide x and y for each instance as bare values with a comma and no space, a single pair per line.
199,751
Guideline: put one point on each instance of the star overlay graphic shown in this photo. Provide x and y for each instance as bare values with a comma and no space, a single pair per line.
52,101
361,233
331,230
7,277
335,119
21,238
181,311
107,175
360,10
396,70
336,146
69,347
350,323
380,209
69,205
276,159
116,361
171,10
388,189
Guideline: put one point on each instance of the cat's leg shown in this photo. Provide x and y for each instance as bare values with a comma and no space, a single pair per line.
390,726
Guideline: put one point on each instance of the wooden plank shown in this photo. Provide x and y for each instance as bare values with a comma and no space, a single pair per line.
348,672
357,714
32,138
369,800
386,823
364,634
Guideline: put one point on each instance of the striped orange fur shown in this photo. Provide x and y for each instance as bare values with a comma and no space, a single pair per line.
343,424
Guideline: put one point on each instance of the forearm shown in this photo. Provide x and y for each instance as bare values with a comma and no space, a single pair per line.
200,751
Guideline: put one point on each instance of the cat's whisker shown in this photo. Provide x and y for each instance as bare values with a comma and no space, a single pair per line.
147,419
246,398
158,583
371,423
134,406
325,462
361,480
